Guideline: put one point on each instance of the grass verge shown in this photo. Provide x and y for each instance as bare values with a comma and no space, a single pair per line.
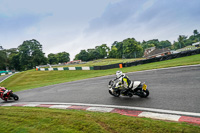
101,62
44,120
33,79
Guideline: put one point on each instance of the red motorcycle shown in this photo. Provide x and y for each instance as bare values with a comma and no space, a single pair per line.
7,94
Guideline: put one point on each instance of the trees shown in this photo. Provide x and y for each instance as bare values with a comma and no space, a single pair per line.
195,32
196,37
52,59
93,54
99,52
14,62
30,54
83,55
113,52
146,45
102,50
128,48
120,48
182,40
63,57
3,59
150,43
58,58
164,44
131,48
156,43
13,58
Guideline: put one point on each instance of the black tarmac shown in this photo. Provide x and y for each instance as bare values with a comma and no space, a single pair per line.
175,89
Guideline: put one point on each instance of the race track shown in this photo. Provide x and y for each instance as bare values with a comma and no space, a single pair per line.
175,89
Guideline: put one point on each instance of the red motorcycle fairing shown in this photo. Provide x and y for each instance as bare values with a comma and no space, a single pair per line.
2,90
7,94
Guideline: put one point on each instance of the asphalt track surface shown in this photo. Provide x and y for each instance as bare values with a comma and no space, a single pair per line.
176,89
4,77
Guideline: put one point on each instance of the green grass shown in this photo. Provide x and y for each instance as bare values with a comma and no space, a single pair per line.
27,120
44,120
101,62
33,79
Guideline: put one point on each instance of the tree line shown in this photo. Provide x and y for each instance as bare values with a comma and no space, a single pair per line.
29,54
131,48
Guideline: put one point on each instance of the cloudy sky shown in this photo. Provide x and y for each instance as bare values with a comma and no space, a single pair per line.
73,25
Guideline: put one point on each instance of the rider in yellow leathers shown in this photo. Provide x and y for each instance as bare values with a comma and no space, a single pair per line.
124,82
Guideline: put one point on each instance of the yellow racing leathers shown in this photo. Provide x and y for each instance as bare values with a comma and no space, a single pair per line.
124,82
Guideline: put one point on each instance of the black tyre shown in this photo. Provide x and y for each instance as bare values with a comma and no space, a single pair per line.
115,94
145,93
15,97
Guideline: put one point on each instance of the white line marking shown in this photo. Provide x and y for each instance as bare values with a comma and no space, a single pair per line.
31,105
60,106
100,109
8,104
160,116
121,107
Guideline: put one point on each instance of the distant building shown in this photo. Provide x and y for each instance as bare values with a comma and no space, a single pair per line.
74,62
174,52
187,48
153,52
197,44
148,51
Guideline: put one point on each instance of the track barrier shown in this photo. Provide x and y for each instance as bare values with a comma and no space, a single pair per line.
128,64
64,68
150,60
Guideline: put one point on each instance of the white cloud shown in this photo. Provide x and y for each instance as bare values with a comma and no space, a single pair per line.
147,19
71,26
